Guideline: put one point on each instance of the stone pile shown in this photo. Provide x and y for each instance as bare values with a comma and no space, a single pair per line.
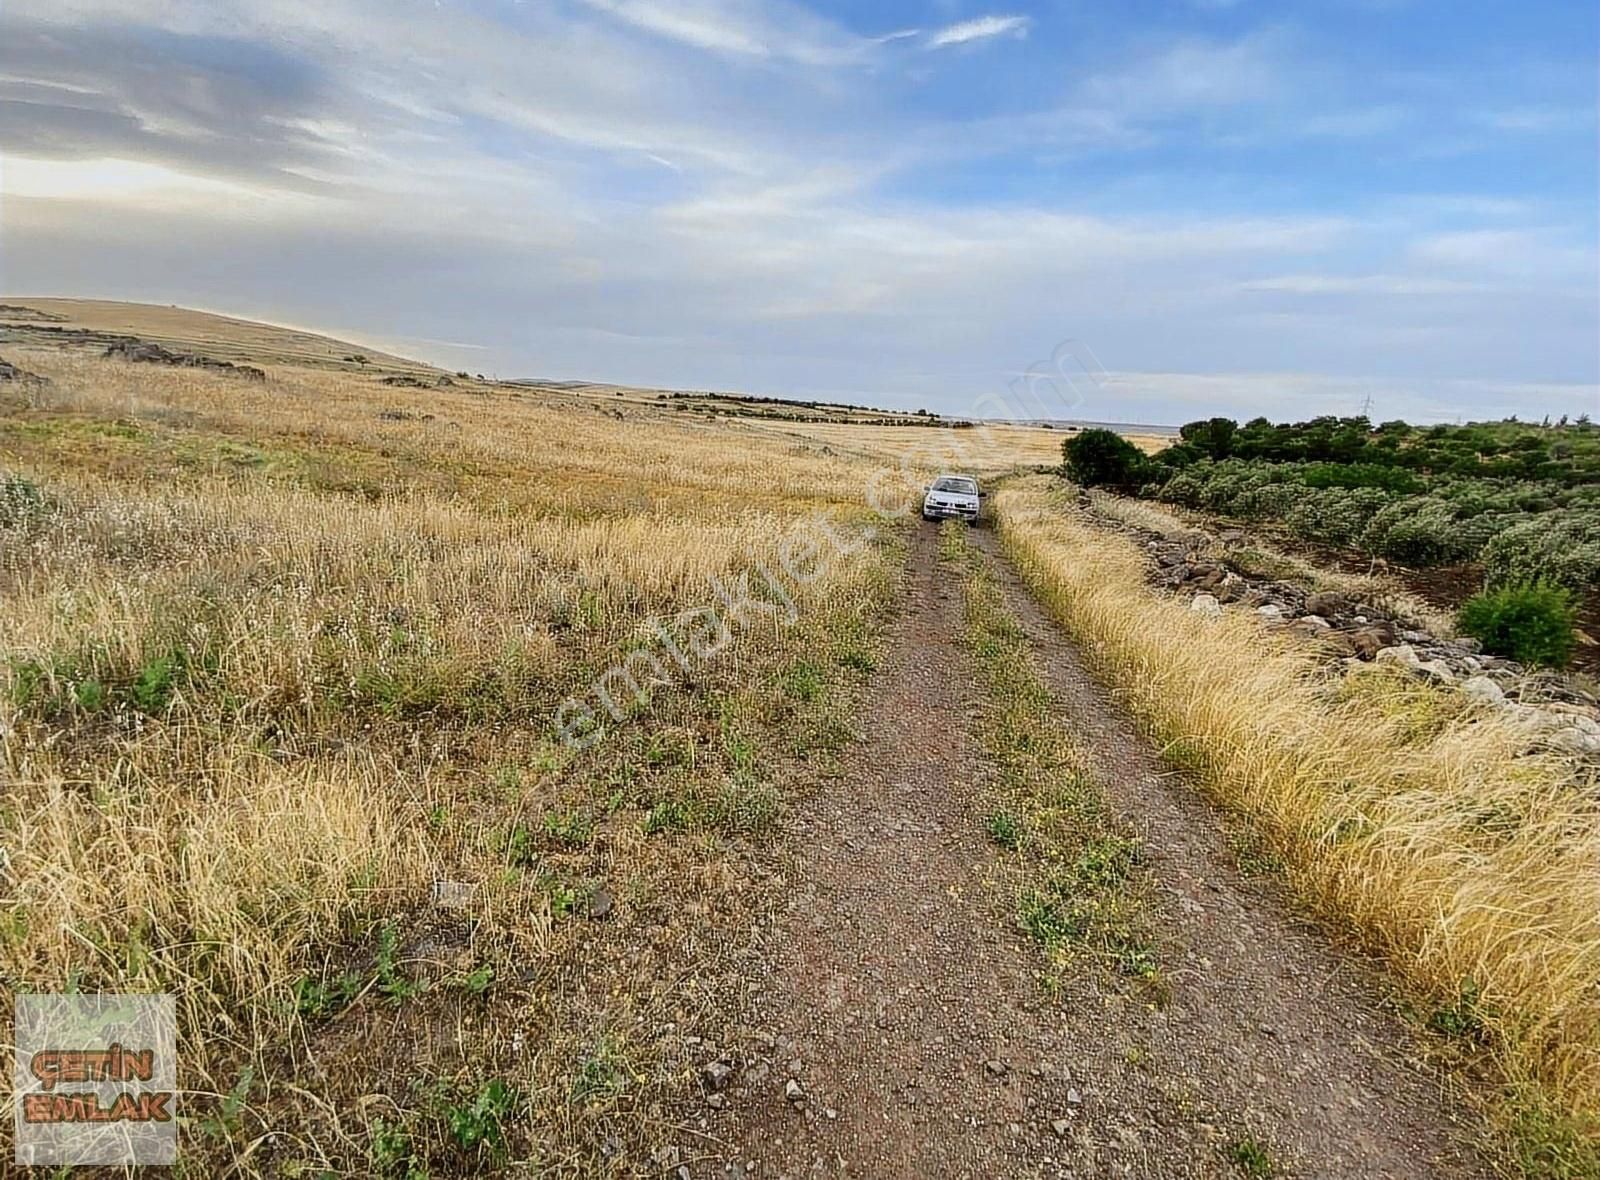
1558,713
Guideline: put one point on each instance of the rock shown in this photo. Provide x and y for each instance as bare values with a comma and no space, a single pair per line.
1206,576
1326,602
1207,605
1369,641
1571,739
1270,611
794,1092
715,1101
600,902
1233,536
1315,623
995,1067
1484,690
1061,1127
1401,653
1073,1097
1436,670
1585,724
715,1074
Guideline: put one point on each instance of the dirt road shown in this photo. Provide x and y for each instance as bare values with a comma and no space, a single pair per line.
902,1032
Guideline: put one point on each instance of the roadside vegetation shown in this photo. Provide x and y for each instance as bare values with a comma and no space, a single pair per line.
280,664
1400,813
1075,869
1521,499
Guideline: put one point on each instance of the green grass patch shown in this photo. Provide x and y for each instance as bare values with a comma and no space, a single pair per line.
1080,891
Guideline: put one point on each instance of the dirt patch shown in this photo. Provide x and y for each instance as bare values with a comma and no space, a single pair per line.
900,1032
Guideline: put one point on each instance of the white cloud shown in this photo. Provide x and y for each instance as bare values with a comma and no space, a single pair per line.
747,28
978,29
1519,252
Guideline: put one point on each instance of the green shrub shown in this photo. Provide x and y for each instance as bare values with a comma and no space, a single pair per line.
1561,547
1360,475
1103,457
1419,530
1531,623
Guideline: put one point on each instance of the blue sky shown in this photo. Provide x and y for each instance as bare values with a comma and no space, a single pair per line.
1228,205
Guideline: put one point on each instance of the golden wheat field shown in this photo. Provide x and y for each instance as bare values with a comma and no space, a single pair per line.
283,733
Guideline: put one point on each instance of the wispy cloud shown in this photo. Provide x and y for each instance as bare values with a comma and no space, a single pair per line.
741,28
978,29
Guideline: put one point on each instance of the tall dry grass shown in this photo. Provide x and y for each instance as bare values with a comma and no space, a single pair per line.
1418,823
272,663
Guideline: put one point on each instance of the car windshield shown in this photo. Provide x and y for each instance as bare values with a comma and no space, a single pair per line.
964,486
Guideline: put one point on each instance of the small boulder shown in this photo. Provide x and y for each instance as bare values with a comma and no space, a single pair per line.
1483,690
1572,739
1327,603
1401,653
1206,605
1271,611
1436,670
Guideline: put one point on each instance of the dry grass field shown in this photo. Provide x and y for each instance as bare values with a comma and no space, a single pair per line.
435,745
282,728
223,337
1406,816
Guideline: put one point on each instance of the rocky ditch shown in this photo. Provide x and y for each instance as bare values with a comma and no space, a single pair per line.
1559,713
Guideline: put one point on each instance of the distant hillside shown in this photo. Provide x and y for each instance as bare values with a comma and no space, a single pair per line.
25,319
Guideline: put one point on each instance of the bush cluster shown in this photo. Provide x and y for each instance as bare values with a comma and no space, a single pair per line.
1522,499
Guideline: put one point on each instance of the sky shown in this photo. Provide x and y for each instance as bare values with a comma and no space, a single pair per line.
1147,211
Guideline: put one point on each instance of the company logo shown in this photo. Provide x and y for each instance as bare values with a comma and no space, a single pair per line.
96,1080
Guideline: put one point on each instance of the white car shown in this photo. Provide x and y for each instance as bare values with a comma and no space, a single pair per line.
951,496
